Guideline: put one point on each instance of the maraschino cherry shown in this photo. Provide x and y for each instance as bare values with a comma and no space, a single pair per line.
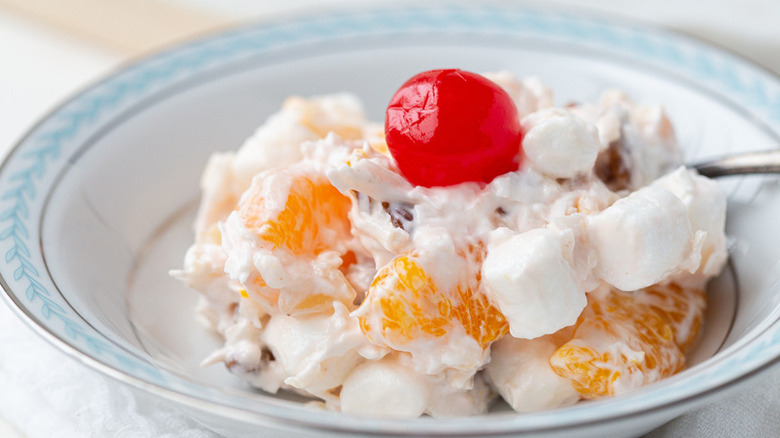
445,127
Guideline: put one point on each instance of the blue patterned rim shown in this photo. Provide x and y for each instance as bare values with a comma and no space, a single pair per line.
28,174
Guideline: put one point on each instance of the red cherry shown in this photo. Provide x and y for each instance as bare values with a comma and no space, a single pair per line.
445,127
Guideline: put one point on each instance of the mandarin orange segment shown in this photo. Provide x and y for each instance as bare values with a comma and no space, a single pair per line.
309,219
481,320
313,219
406,304
624,340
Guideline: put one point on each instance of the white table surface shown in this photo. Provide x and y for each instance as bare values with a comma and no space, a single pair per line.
44,62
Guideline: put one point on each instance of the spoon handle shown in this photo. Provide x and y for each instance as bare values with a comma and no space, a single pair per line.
741,164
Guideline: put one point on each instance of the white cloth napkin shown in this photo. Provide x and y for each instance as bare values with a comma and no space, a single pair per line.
45,393
750,410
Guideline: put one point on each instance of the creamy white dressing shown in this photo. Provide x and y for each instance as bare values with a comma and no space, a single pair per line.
590,207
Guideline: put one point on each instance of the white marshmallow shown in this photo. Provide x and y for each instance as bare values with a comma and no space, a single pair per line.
520,371
384,388
532,283
706,205
641,239
558,143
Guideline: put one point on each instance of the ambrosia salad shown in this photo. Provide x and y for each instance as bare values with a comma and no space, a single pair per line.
481,243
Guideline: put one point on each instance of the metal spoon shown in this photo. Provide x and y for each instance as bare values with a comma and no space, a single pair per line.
741,164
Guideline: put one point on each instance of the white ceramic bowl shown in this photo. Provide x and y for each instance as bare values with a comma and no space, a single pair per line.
96,202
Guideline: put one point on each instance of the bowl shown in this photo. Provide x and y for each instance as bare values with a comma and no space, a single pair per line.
96,202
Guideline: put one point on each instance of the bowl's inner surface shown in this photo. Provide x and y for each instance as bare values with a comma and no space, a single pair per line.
121,213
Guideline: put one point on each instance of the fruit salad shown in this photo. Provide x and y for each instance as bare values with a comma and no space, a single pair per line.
482,243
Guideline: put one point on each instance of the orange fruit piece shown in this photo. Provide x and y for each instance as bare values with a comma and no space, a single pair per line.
296,227
624,340
404,304
313,218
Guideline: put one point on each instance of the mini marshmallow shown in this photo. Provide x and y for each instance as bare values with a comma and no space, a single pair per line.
558,143
705,202
532,283
384,388
520,371
641,239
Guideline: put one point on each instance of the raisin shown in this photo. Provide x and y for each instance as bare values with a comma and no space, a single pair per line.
401,215
613,166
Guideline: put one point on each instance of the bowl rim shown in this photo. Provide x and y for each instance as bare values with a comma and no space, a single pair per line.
337,421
